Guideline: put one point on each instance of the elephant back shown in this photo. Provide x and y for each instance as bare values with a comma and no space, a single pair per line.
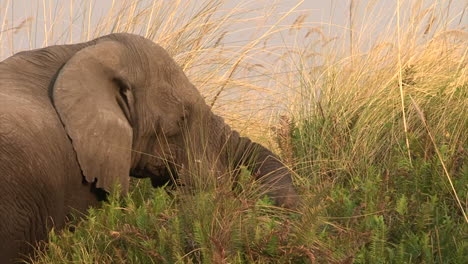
40,176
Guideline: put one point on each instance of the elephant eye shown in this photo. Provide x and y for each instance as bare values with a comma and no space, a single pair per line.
186,111
182,120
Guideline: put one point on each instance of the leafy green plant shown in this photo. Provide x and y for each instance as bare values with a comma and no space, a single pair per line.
377,140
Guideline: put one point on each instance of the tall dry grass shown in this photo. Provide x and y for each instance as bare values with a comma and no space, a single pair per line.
409,83
370,115
232,69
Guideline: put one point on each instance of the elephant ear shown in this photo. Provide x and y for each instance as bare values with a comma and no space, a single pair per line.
94,103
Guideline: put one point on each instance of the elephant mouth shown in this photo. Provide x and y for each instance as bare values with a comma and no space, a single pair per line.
159,175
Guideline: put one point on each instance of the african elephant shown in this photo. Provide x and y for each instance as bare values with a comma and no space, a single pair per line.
77,119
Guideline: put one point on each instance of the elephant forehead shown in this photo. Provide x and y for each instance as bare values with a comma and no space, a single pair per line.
170,77
168,101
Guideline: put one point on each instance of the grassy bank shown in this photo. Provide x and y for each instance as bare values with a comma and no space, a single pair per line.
376,135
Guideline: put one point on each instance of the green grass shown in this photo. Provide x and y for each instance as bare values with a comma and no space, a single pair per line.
377,141
156,226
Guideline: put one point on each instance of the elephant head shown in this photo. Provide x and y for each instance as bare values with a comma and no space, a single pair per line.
127,107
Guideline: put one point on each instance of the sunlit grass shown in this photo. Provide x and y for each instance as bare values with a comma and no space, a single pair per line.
374,127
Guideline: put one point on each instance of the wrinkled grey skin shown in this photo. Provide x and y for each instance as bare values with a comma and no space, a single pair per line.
70,116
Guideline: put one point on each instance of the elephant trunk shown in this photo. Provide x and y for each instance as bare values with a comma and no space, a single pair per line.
210,145
274,177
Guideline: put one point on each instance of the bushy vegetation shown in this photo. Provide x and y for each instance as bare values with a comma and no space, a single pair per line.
376,136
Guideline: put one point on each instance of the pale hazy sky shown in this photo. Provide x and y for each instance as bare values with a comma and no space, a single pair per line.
331,15
22,26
